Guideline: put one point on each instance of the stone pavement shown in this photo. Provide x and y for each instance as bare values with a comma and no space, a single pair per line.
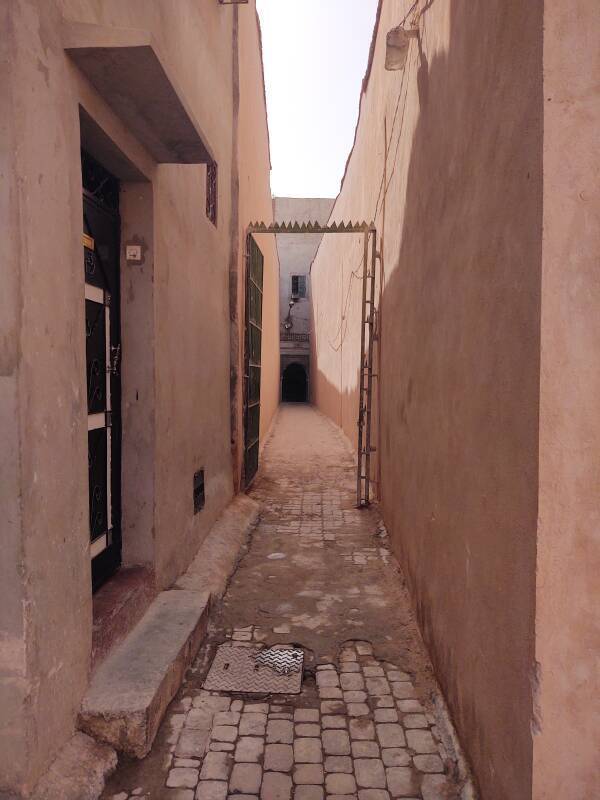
369,723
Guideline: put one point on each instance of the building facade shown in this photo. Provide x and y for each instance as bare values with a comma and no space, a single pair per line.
134,150
296,252
478,164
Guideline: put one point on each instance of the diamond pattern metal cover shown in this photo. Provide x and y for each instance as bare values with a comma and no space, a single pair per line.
255,670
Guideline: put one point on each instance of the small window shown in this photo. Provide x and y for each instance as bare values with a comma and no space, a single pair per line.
298,285
198,491
211,192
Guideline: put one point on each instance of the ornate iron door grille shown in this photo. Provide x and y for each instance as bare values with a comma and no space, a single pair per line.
252,365
101,242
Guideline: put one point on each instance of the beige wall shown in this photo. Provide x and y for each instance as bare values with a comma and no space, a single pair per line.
460,232
176,341
256,205
567,740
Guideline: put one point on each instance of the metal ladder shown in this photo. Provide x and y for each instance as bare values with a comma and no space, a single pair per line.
367,340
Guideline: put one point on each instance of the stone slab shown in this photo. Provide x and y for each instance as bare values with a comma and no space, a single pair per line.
132,688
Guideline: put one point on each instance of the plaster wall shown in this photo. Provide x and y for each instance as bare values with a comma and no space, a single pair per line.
255,203
567,729
176,347
458,208
296,252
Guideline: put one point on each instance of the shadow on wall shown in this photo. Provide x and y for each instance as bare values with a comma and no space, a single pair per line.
460,319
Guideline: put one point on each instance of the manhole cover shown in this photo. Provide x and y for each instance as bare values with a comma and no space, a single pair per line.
256,670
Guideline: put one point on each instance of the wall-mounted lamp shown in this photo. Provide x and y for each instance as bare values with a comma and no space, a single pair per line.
397,44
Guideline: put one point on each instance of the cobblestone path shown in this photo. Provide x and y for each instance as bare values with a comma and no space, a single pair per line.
369,723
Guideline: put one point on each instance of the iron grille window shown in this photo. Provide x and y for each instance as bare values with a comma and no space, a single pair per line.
298,285
211,191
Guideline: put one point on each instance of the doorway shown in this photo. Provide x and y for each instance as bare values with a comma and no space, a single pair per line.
252,359
101,245
294,384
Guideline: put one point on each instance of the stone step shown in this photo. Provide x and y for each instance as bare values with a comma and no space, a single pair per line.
130,691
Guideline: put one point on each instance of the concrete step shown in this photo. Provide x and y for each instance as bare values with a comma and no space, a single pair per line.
131,689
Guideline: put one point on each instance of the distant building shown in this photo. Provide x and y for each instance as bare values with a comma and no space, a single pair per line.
296,252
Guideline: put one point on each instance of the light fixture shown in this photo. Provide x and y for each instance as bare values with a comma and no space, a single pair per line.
397,44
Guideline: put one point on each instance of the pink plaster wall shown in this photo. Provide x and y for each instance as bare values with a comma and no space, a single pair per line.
567,730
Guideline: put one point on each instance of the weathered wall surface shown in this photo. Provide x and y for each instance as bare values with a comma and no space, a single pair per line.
176,343
567,740
256,205
458,208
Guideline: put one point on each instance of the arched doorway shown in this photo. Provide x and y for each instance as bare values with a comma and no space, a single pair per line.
294,384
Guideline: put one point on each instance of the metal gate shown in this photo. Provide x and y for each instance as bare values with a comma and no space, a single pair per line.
252,360
101,239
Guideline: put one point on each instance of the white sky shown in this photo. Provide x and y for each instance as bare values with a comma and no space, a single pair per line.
315,55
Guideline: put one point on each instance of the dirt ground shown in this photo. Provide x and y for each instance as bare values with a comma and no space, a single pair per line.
318,574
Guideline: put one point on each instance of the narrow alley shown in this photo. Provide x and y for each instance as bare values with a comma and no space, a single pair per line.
318,575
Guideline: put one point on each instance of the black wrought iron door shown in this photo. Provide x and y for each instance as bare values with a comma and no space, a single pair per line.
101,234
254,296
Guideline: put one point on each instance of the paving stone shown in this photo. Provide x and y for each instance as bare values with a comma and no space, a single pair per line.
340,783
341,797
237,705
308,751
330,693
308,793
387,701
395,757
434,787
362,728
378,687
415,721
421,741
373,672
242,797
370,773
211,702
224,733
308,773
186,762
192,743
327,678
280,715
336,743
177,794
227,718
355,696
333,707
216,767
199,719
403,690
365,749
357,709
373,794
390,734
306,715
253,724
276,786
364,648
401,781
350,666
222,747
336,721
307,729
385,715
256,708
279,757
348,655
338,764
322,667
246,778
352,681
249,748
428,763
211,790
395,675
409,706
280,731
182,778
